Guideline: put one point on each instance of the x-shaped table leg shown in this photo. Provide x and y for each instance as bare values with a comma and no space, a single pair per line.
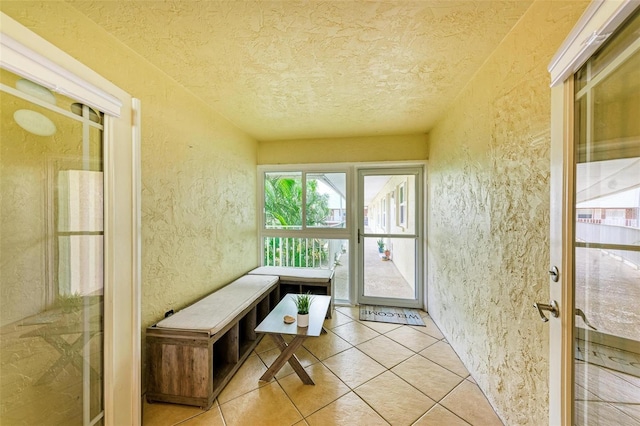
287,354
69,354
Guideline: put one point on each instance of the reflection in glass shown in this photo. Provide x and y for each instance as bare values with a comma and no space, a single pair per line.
51,313
607,231
326,200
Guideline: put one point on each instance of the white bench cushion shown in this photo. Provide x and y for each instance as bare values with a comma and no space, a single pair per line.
215,311
303,275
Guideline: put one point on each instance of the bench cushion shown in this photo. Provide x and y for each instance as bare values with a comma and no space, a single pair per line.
303,275
215,311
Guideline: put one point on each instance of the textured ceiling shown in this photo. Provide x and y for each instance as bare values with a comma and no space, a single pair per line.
296,70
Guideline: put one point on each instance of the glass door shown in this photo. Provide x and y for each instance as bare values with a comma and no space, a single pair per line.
52,257
606,247
389,230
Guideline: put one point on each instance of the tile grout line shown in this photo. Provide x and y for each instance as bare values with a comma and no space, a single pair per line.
353,390
410,385
303,418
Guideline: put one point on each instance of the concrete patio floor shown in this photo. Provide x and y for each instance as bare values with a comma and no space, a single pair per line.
382,278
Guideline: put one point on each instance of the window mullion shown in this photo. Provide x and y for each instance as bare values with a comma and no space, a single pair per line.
303,208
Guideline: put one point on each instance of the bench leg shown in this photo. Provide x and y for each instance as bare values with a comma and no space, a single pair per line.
287,355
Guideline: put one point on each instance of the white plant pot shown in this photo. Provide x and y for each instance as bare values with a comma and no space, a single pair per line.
303,320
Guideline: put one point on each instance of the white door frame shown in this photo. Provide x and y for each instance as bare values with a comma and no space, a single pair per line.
416,210
26,54
598,22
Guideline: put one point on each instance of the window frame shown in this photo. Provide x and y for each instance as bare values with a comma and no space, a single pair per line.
402,203
304,231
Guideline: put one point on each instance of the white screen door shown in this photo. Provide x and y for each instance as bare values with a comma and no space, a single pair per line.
389,235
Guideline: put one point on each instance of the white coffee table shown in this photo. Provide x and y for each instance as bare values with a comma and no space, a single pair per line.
275,326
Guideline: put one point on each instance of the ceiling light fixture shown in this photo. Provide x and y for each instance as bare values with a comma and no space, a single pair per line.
32,121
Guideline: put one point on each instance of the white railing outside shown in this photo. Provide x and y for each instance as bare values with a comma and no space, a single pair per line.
629,223
302,252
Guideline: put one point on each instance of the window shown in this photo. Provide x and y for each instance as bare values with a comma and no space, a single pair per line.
305,218
80,233
283,200
326,201
402,205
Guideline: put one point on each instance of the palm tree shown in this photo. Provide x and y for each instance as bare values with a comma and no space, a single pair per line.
283,209
283,203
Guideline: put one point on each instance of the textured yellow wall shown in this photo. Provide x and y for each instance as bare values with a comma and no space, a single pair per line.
489,216
375,148
198,170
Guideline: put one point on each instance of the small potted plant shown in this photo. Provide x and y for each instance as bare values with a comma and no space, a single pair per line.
381,245
303,303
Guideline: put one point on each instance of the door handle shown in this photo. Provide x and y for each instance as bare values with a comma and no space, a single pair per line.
552,307
579,312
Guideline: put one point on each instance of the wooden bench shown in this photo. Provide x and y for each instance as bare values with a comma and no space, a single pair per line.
301,280
193,353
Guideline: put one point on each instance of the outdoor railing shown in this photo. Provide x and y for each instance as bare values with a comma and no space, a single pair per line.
610,235
629,223
301,252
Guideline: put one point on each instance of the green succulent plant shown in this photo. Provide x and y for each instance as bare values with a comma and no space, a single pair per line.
303,302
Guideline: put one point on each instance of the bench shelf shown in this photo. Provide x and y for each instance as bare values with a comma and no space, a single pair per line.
193,366
301,280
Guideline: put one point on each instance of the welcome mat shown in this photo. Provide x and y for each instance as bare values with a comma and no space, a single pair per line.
390,314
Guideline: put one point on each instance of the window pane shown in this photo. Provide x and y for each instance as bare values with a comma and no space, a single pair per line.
326,200
283,200
386,212
389,268
607,234
51,222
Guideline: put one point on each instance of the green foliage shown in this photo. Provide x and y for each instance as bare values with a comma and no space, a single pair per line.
317,205
303,302
283,209
297,252
283,203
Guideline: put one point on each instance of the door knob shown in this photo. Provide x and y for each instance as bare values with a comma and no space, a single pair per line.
579,312
553,308
555,274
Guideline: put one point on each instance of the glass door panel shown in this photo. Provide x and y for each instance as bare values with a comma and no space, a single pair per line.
51,251
388,237
607,230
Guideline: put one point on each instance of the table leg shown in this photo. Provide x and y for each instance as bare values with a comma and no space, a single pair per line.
287,354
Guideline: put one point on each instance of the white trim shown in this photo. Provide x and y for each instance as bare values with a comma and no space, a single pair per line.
136,289
23,61
595,26
561,236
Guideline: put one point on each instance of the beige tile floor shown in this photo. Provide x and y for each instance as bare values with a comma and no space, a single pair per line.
366,373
